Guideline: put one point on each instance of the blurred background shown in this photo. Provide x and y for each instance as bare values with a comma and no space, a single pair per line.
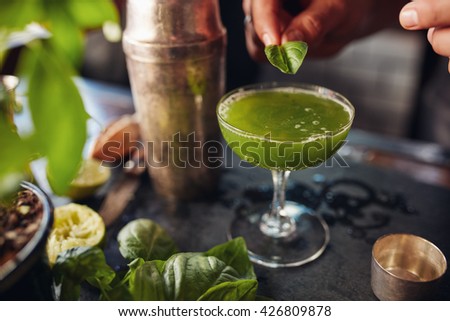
385,75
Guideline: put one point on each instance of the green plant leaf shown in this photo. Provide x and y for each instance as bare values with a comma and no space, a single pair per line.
67,39
18,13
12,172
147,282
234,253
119,287
189,275
117,293
92,14
241,290
58,114
143,238
78,264
287,57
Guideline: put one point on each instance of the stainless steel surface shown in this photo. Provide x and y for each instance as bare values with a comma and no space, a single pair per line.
176,63
406,267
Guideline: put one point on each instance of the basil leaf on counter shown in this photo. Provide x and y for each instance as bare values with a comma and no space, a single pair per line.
143,238
241,290
287,57
223,272
234,253
147,282
79,264
189,275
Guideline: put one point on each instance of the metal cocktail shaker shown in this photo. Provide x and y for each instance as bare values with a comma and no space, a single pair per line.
175,53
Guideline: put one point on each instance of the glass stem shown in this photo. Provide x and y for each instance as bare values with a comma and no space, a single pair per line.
279,192
276,223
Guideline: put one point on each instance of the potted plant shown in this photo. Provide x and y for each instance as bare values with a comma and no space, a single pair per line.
50,37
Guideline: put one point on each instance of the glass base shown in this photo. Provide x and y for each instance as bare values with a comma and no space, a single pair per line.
305,244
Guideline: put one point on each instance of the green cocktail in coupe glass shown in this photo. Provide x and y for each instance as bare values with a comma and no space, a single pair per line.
283,127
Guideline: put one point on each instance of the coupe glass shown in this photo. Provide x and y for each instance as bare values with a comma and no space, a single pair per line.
283,127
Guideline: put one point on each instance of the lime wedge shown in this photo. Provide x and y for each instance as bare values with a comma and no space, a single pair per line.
288,57
74,225
91,176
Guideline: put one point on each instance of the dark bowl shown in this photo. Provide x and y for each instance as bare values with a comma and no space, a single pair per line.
14,269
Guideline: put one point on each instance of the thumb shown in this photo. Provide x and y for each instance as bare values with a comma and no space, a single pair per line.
425,14
267,20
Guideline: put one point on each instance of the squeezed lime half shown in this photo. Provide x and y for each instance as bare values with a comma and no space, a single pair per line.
74,225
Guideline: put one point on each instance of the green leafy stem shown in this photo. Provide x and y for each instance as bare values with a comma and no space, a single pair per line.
48,65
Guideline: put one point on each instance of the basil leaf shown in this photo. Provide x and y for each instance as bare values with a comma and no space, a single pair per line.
234,253
143,238
117,293
195,276
189,275
288,57
241,290
147,282
92,14
67,38
53,95
78,264
18,13
120,285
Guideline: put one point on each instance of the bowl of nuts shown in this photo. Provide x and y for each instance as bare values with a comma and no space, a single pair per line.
24,226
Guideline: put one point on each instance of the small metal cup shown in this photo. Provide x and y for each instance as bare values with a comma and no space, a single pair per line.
406,267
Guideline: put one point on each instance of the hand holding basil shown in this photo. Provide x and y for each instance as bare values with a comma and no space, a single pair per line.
287,57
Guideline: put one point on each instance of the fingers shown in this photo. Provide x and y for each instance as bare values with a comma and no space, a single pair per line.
439,38
264,21
255,47
314,22
423,14
266,15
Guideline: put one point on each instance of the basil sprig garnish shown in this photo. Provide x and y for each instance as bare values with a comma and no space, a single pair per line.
287,57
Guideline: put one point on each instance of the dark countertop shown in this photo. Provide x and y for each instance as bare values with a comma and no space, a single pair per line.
360,201
388,203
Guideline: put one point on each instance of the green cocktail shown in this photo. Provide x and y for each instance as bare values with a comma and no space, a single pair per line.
284,127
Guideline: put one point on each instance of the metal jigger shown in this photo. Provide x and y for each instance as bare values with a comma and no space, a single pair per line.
176,63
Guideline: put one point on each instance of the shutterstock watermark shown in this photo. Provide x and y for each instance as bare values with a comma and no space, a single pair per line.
186,151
